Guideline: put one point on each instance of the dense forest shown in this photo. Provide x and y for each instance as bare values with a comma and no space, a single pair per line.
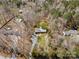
39,29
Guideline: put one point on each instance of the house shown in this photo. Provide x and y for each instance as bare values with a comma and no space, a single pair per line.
40,30
70,32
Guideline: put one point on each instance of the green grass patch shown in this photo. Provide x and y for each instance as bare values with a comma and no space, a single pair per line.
42,24
41,40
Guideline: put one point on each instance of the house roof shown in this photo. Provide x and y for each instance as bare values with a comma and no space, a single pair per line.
40,30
